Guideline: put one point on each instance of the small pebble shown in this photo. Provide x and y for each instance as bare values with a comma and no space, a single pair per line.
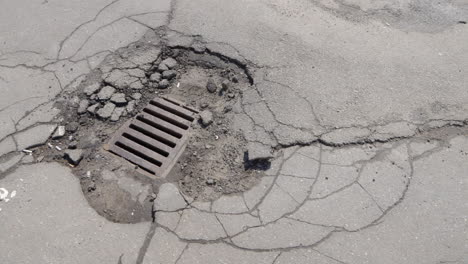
91,89
118,99
231,95
92,109
155,77
206,118
210,182
169,62
163,84
211,86
83,106
106,93
72,127
169,74
59,132
136,96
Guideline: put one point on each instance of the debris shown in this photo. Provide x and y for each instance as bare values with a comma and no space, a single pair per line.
258,151
58,148
3,194
59,132
162,67
131,106
91,89
106,93
88,174
118,99
74,156
73,144
227,109
178,85
50,145
211,86
206,118
72,127
27,151
231,95
83,106
210,181
163,84
169,74
169,62
118,111
225,85
106,111
136,96
155,77
92,109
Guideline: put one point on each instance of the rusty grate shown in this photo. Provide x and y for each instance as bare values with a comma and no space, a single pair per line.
155,138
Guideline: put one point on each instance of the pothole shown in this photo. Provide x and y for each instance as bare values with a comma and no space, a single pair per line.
214,162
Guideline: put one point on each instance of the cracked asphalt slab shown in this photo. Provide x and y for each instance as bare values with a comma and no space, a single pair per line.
363,106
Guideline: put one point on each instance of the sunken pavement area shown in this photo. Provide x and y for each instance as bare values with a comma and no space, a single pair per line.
233,132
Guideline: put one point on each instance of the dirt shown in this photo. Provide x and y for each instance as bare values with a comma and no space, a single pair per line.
213,163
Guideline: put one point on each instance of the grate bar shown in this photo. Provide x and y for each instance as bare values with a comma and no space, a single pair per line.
155,138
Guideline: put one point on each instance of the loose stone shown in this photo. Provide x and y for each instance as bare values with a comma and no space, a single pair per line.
72,127
155,77
91,89
92,109
118,99
162,67
59,132
117,113
206,118
163,84
106,111
84,104
136,96
169,62
74,156
169,74
131,106
211,86
106,93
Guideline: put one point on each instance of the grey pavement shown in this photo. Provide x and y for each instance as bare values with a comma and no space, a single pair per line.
364,105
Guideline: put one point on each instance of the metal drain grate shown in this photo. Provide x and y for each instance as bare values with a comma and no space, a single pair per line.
156,137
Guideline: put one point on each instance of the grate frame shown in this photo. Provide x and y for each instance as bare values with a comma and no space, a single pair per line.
155,138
